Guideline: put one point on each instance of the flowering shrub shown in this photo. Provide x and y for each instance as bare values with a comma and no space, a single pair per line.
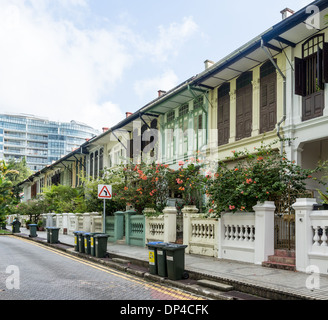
145,186
189,182
246,178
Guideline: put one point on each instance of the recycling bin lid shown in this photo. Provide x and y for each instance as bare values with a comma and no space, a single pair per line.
101,235
33,225
86,233
52,228
174,246
154,242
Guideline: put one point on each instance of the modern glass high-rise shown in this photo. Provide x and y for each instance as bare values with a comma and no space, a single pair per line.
39,140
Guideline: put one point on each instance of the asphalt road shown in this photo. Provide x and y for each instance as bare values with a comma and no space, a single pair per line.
31,271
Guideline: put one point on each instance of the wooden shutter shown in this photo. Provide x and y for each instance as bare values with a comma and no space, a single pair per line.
223,117
325,62
268,102
244,112
299,77
320,69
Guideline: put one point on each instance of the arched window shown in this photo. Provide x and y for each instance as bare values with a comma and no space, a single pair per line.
311,73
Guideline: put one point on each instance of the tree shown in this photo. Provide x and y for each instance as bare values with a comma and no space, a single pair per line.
6,193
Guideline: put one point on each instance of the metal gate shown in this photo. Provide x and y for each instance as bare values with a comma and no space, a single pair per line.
284,221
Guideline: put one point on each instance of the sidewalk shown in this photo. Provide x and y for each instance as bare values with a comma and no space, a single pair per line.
260,279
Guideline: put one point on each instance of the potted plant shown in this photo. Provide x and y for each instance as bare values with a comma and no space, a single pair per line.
27,223
40,226
324,204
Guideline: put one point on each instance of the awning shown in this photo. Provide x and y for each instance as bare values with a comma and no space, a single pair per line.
288,32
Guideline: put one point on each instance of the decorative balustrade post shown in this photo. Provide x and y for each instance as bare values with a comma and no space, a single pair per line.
71,223
50,221
303,232
86,222
119,225
187,212
128,215
170,224
65,223
264,231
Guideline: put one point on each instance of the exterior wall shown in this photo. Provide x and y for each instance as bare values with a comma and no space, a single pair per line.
223,151
183,136
309,142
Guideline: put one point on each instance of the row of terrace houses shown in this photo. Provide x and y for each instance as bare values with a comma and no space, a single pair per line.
273,87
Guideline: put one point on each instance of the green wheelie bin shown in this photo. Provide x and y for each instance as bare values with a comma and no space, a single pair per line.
152,254
81,242
175,261
76,240
33,228
92,243
100,243
16,226
52,234
87,247
161,259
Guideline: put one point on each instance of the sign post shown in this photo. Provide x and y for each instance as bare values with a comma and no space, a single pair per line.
104,192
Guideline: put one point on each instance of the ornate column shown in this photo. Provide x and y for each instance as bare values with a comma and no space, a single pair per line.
256,103
233,111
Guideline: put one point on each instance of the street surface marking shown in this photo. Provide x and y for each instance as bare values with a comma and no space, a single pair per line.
172,292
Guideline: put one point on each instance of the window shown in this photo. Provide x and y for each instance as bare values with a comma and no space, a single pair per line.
183,122
223,114
170,116
101,160
268,97
91,165
244,91
311,73
96,164
183,110
199,128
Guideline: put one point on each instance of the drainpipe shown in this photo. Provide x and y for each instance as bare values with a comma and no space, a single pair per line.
265,49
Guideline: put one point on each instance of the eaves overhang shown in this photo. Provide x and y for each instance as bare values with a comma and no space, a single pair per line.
287,33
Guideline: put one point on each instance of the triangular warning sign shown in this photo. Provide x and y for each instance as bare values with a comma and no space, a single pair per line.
104,193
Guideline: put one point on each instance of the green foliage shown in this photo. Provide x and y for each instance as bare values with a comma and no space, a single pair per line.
113,177
6,193
189,181
145,186
246,178
60,199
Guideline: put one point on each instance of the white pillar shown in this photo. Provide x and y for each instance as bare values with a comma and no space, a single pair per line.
65,223
303,232
187,211
86,222
170,224
264,231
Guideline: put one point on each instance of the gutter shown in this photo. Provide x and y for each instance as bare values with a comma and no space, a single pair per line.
265,49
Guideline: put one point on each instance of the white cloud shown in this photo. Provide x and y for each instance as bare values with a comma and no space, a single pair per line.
52,68
106,114
165,82
169,40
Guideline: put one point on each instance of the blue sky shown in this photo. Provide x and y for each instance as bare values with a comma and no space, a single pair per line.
94,60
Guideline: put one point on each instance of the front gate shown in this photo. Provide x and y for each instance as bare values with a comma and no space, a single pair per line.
284,221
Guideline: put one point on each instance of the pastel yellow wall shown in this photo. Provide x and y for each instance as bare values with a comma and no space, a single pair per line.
256,138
